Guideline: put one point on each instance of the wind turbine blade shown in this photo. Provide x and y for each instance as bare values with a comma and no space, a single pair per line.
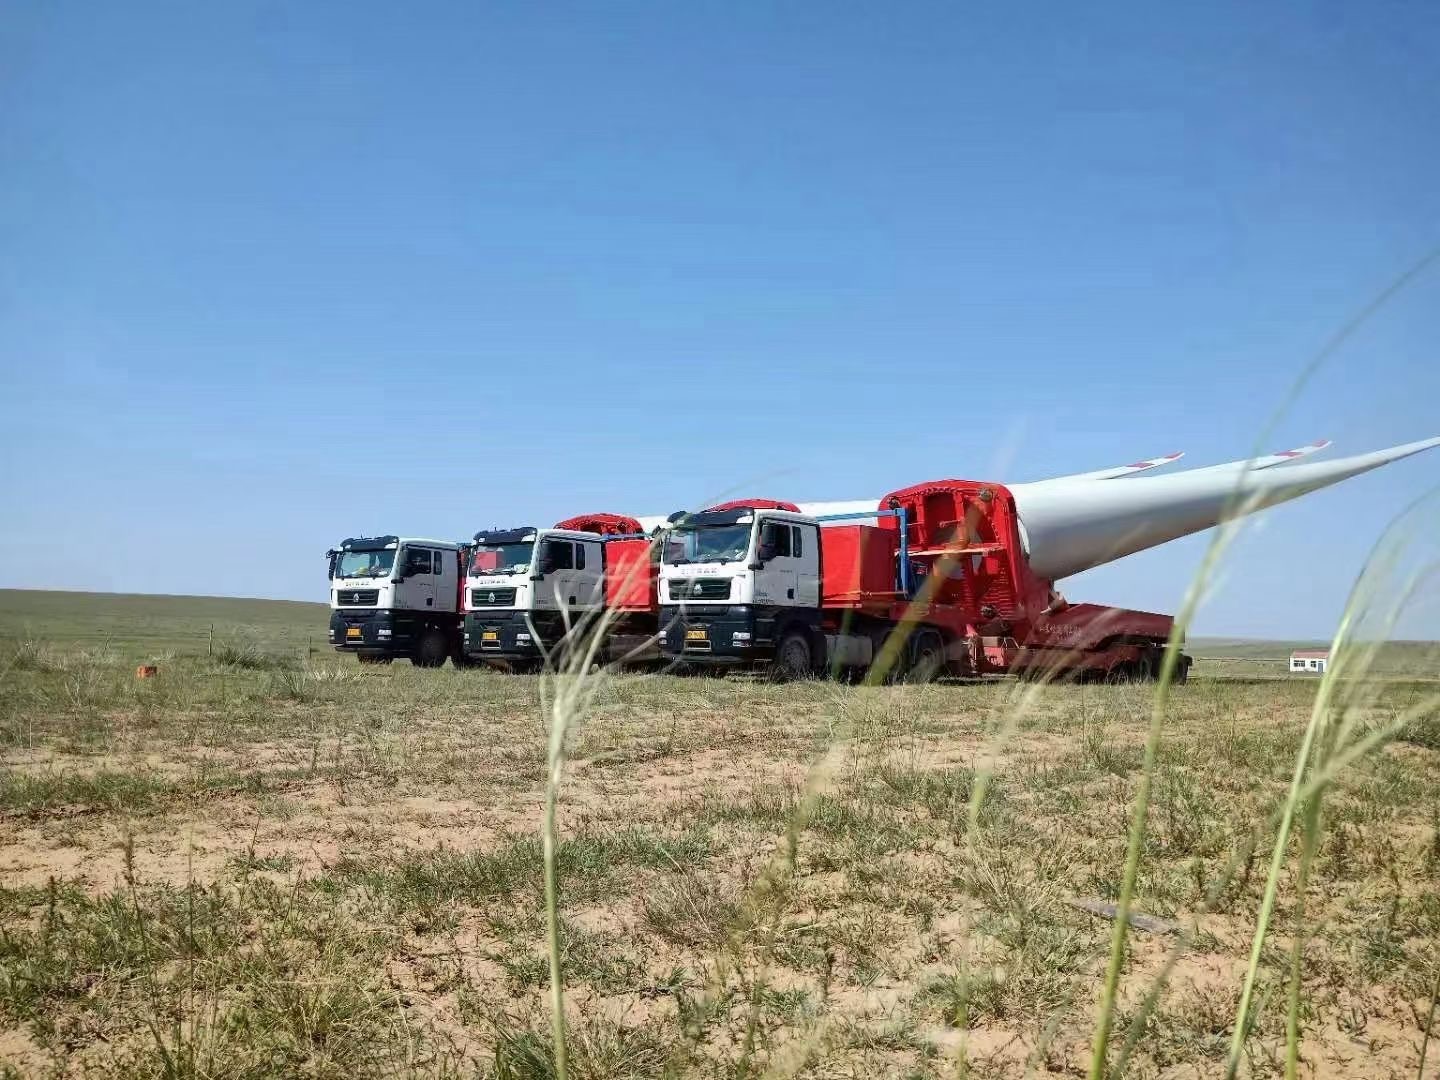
1069,529
1268,461
1115,471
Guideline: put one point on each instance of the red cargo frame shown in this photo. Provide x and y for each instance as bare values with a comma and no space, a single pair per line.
973,584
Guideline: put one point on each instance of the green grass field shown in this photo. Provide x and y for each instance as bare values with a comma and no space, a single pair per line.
141,627
268,862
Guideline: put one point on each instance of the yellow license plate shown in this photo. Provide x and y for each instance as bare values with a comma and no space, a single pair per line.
352,632
696,635
489,635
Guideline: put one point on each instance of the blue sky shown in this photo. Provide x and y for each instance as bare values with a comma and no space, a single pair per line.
275,274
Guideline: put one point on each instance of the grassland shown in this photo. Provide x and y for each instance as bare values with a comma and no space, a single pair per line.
266,862
138,627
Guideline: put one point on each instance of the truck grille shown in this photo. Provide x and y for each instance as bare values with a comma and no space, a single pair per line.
357,597
700,589
483,598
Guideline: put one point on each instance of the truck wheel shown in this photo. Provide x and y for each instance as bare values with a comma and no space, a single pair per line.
432,651
927,657
793,659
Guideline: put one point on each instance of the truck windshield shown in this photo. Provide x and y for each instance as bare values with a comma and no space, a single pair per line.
352,564
708,543
501,558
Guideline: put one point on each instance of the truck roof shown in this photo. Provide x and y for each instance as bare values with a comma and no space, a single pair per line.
516,536
383,543
736,516
506,536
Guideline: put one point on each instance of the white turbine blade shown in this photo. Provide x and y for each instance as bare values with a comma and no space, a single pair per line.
861,506
1268,461
1282,456
1115,471
1070,528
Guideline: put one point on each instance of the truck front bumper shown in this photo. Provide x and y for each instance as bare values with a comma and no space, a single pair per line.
367,630
716,634
503,635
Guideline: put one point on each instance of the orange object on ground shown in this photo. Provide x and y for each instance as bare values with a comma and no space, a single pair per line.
146,671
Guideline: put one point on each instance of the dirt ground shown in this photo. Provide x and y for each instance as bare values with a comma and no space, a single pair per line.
319,870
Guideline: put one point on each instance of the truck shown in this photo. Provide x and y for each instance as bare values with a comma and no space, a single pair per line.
533,595
397,596
937,571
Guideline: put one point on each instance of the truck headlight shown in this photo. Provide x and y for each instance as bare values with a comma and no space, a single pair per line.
382,633
741,637
332,633
660,637
522,639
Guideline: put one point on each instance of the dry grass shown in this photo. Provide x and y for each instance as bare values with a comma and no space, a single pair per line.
244,869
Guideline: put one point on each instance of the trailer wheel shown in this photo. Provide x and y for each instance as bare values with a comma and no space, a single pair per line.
432,651
793,658
927,657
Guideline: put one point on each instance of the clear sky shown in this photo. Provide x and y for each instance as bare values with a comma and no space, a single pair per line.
276,274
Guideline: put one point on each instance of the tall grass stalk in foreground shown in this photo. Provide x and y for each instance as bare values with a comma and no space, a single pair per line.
1224,534
1323,737
566,707
577,678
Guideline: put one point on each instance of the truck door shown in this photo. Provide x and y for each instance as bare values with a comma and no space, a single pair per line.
555,591
445,570
776,582
417,591
805,550
590,574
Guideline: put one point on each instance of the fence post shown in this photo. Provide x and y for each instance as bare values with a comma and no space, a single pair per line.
210,645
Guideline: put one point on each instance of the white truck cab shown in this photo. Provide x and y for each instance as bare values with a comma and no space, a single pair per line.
740,585
396,596
525,588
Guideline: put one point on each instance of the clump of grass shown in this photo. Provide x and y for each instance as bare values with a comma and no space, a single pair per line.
514,869
109,789
597,1047
201,981
245,655
691,909
30,656
1421,731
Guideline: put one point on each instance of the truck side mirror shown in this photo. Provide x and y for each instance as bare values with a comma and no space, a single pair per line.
764,553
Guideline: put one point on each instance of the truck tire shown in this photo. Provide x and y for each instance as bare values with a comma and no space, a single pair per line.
927,657
794,659
432,649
